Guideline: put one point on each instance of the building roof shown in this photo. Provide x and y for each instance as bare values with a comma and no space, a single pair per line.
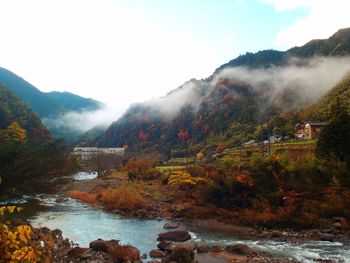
312,123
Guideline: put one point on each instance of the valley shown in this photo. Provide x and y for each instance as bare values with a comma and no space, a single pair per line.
251,164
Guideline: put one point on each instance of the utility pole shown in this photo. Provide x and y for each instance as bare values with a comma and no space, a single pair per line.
268,136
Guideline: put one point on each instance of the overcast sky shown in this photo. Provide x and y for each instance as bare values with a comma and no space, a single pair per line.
125,51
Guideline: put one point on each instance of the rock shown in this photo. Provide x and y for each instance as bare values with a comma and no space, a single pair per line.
153,261
203,248
163,245
181,255
241,249
170,225
337,225
144,256
216,248
177,236
124,253
157,254
57,234
276,234
117,252
99,245
177,245
327,237
87,255
76,251
103,245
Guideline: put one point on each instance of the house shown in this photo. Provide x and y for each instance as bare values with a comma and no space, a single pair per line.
86,153
309,130
250,143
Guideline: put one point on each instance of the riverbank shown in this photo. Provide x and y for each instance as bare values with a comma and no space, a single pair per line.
83,223
167,202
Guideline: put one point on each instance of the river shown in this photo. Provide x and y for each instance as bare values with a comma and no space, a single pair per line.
83,224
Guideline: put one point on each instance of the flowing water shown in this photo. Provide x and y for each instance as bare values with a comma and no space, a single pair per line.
83,224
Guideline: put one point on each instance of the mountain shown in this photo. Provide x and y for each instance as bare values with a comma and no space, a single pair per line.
237,102
45,103
12,109
50,106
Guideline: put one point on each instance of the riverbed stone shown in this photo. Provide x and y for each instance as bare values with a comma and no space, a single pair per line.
216,248
327,237
163,245
241,249
157,253
176,245
76,251
171,225
203,248
182,255
177,236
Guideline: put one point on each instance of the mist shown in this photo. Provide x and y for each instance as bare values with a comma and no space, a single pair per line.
189,94
310,78
81,122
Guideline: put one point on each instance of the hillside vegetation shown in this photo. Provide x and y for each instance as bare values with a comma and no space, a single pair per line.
28,155
50,106
224,109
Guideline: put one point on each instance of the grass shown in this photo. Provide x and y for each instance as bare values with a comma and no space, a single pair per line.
125,197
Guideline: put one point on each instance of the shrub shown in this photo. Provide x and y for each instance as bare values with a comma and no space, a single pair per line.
141,169
123,197
16,244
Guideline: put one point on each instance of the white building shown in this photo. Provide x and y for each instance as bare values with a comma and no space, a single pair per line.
88,152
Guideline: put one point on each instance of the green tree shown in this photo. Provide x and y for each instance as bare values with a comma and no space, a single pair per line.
334,140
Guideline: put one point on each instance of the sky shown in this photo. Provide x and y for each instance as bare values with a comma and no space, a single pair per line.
125,51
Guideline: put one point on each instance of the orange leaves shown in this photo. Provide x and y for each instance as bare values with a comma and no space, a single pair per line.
183,135
143,136
83,196
123,197
244,179
200,155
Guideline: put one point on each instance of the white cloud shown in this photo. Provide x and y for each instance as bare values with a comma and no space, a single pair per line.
323,19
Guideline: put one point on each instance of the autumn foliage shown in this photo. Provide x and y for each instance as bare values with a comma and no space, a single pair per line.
16,244
141,169
123,197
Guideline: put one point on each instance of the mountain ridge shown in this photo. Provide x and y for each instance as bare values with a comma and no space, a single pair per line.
229,108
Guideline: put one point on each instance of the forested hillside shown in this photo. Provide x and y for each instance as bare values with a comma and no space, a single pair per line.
50,106
27,152
242,100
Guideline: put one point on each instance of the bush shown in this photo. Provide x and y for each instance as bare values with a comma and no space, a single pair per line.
16,244
141,169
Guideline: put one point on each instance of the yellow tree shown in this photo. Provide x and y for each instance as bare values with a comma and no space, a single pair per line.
186,182
16,132
16,244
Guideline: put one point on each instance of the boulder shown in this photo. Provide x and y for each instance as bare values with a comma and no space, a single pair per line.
241,249
156,253
177,245
163,245
203,248
216,248
76,251
327,237
124,253
177,236
181,255
100,245
117,252
170,225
